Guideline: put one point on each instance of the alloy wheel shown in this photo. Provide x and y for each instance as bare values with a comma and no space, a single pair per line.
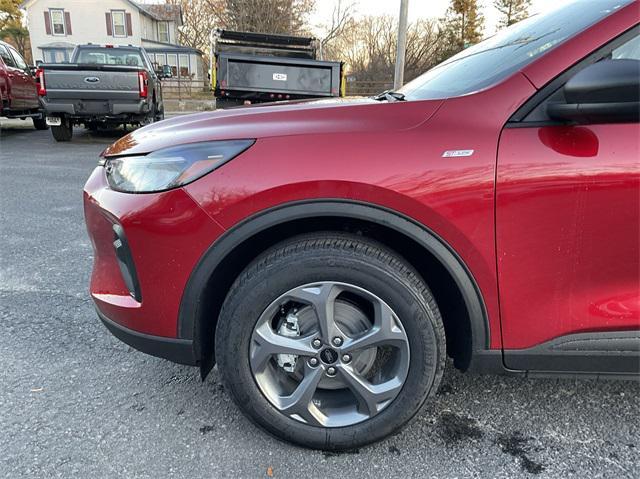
329,354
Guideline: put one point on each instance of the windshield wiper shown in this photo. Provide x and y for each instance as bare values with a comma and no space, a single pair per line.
390,95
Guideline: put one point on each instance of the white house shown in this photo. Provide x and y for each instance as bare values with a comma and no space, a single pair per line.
57,26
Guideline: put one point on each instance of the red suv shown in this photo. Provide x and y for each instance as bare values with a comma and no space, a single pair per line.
329,255
18,88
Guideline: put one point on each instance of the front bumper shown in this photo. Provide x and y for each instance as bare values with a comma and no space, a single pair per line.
145,248
176,350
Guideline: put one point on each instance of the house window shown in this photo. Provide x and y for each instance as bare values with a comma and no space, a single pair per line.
172,61
163,32
184,65
161,59
57,21
56,55
152,60
119,28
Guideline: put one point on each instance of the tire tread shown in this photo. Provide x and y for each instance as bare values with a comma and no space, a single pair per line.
360,248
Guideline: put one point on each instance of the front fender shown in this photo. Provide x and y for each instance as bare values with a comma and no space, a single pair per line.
213,260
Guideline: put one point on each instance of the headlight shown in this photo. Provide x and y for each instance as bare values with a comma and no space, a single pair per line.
171,167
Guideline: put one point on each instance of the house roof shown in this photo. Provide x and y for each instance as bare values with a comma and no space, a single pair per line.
66,45
153,47
163,12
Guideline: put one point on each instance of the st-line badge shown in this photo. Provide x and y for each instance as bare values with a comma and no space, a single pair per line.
457,153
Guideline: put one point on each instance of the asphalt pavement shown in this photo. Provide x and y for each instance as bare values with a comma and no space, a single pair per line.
76,402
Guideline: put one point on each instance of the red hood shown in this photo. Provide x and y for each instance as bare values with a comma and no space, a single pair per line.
292,118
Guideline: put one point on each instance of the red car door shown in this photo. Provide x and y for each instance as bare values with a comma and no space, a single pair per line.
14,80
568,232
28,90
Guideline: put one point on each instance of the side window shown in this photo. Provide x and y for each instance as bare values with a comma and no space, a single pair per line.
18,59
628,51
6,57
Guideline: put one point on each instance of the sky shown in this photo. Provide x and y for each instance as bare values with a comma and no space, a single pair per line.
418,9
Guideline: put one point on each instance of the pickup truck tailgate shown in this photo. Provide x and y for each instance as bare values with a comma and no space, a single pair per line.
92,82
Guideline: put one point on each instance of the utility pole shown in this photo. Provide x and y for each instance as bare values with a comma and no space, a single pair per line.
398,79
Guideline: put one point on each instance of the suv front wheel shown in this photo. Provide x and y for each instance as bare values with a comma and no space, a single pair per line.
330,341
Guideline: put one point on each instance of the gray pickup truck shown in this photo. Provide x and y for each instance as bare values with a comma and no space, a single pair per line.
103,86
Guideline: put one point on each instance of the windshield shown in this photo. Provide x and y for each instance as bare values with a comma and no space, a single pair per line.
110,56
494,59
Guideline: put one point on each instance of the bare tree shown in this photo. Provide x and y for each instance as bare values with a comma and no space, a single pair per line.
512,11
269,16
341,18
368,47
200,17
423,46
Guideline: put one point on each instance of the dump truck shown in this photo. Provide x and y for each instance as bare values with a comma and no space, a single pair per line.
253,68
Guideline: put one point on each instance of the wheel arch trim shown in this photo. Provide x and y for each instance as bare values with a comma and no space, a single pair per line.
332,208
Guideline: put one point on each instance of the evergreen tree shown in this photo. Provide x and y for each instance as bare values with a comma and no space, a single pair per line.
512,11
461,27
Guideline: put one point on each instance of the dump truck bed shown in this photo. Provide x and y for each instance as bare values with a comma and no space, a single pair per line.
271,77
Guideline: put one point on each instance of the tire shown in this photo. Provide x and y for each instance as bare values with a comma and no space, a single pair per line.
159,115
151,117
64,132
345,260
40,123
92,126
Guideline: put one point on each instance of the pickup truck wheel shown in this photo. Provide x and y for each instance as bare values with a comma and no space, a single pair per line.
330,341
151,116
64,132
40,123
160,115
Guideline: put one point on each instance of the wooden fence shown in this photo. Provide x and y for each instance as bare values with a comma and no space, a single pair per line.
182,88
367,88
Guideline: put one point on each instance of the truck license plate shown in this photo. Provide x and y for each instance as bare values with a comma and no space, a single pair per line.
54,121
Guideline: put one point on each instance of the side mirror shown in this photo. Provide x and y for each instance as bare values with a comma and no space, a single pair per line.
605,92
32,70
